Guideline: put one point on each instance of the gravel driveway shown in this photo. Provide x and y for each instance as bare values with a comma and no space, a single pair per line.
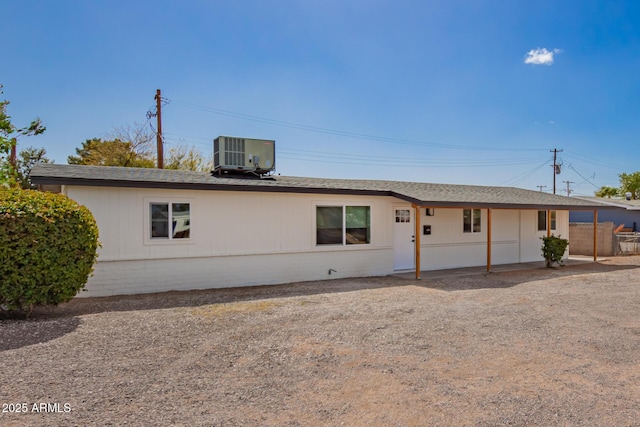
541,347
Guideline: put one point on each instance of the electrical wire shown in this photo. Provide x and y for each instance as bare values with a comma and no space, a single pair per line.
359,159
369,160
526,174
380,163
581,176
597,162
343,133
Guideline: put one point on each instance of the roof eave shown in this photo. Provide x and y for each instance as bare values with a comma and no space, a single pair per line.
199,186
486,205
48,180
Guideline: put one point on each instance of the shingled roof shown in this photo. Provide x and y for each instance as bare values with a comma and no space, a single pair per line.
421,193
630,205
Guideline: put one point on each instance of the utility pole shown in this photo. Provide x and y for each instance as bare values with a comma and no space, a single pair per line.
568,188
159,132
541,187
556,167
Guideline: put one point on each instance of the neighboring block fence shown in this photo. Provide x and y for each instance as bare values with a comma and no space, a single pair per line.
610,243
581,239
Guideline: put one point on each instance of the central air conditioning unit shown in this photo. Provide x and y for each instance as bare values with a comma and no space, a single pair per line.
243,155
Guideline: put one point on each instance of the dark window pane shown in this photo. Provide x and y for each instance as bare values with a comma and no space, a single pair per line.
358,225
159,220
329,225
466,214
477,220
180,220
329,236
542,220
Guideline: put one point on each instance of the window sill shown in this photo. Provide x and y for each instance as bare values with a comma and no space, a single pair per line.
163,242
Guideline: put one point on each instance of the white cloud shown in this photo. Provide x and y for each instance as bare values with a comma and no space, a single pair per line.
541,56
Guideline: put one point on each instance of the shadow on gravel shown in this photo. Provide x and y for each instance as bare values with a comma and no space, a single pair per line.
507,279
195,298
20,333
439,280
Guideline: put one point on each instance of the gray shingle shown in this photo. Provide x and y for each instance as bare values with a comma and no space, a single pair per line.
425,194
630,205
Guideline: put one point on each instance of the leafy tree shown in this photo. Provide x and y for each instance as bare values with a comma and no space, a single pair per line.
134,146
630,183
143,143
9,135
25,162
190,159
608,192
109,153
128,146
142,139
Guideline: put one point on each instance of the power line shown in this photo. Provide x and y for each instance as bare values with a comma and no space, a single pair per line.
342,159
361,159
519,178
297,153
580,175
190,137
349,134
593,161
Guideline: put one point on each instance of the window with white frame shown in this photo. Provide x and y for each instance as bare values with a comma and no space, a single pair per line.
343,225
170,220
472,220
542,220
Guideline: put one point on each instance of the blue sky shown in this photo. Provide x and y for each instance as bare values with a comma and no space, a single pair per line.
467,92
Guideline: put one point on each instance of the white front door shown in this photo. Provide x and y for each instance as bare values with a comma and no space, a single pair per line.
403,239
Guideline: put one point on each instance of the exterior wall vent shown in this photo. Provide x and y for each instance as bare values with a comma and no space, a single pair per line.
243,155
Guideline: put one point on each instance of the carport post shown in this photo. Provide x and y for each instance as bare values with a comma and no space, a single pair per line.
595,235
417,241
489,240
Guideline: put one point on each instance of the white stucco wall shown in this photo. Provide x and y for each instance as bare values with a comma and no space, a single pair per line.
530,237
237,239
246,238
514,238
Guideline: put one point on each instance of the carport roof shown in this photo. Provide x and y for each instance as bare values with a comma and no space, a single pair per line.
420,193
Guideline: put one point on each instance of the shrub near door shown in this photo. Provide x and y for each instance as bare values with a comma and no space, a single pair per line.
553,249
48,246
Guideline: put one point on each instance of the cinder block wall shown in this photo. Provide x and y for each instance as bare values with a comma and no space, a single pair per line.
581,238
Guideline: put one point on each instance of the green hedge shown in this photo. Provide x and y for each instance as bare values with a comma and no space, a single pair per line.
48,245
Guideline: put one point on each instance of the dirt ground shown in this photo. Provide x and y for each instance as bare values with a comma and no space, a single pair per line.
544,347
